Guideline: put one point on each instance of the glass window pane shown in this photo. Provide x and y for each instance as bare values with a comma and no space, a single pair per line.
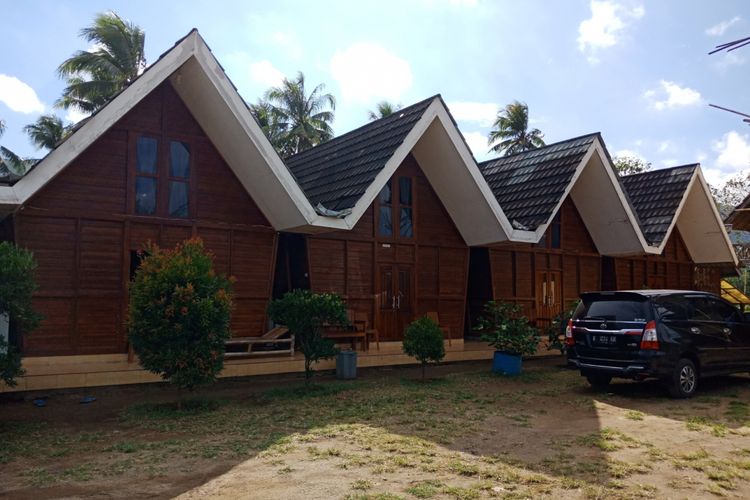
179,159
178,199
404,190
146,154
406,229
145,195
385,225
555,243
385,194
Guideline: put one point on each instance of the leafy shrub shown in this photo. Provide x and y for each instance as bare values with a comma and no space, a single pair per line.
506,329
17,286
423,340
305,313
556,329
179,314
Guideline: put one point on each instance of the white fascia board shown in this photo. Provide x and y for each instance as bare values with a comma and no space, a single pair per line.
8,196
224,116
101,121
701,225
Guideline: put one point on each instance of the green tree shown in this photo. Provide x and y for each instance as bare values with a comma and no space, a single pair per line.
510,133
382,109
304,118
179,314
2,127
13,166
506,329
116,58
305,313
46,132
626,165
270,123
17,286
423,340
731,193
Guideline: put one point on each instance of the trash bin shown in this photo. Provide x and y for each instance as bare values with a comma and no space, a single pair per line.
346,365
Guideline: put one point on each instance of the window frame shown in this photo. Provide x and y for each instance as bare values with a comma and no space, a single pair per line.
395,205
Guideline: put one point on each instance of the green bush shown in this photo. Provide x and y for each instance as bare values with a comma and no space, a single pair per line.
556,329
179,314
423,340
506,329
305,313
17,286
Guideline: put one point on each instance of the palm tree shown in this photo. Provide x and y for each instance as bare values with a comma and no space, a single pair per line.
46,132
268,119
2,127
383,109
511,130
116,59
12,166
305,119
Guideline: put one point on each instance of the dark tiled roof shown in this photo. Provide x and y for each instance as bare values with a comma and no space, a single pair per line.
337,173
655,197
528,186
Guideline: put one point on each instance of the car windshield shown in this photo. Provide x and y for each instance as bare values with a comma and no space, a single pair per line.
614,309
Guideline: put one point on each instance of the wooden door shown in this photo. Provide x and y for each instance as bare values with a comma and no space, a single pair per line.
549,301
395,301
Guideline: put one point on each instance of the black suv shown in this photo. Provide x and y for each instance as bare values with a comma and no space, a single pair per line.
672,335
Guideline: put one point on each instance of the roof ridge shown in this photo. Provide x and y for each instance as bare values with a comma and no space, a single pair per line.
540,148
372,124
659,170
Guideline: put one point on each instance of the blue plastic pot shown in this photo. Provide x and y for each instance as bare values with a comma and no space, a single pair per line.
506,363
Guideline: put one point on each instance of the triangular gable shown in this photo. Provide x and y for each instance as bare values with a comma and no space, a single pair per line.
532,186
204,87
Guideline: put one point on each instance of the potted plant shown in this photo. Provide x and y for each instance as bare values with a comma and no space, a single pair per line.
509,332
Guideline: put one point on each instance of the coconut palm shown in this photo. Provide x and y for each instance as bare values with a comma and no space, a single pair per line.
2,127
510,133
268,120
305,119
46,131
116,59
12,166
383,109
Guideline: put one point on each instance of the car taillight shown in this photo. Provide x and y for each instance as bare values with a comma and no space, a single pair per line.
569,340
650,341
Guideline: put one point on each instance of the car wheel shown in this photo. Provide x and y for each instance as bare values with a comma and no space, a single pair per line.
684,379
599,381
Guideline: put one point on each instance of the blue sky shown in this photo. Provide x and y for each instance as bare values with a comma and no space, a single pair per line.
636,71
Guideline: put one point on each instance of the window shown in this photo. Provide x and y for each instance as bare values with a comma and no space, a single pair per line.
672,308
395,208
146,175
152,178
552,237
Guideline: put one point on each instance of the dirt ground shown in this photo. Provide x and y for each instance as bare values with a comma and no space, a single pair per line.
465,433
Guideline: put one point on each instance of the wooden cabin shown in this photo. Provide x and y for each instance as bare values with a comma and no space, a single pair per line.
396,217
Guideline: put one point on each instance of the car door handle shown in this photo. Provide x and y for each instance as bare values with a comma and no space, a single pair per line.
727,331
695,330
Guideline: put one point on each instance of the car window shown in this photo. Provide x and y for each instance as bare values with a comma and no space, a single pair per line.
672,308
709,309
614,309
724,311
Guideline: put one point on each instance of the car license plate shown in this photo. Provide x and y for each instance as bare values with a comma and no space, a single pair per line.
604,339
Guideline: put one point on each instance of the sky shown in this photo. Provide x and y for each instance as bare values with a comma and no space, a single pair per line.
638,72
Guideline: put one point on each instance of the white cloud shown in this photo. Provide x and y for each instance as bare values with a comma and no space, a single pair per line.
19,96
477,142
727,60
671,95
264,73
733,149
722,27
603,29
628,153
481,113
73,115
366,71
665,146
289,43
669,162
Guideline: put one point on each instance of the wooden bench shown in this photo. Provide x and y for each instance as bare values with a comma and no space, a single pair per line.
357,330
272,337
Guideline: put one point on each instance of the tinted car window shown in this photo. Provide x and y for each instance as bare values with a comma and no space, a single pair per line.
672,308
710,309
615,309
724,311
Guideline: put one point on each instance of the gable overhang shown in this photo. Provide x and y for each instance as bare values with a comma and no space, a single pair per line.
452,173
701,226
218,108
604,208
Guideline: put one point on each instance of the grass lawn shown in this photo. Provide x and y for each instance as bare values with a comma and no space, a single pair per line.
463,434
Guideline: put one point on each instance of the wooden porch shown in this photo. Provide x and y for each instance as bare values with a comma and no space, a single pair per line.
62,372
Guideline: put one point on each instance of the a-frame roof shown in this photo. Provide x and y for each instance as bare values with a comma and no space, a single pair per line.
529,185
656,197
337,173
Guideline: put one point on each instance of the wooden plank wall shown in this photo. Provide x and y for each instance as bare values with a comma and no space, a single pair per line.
346,262
672,269
515,266
82,234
